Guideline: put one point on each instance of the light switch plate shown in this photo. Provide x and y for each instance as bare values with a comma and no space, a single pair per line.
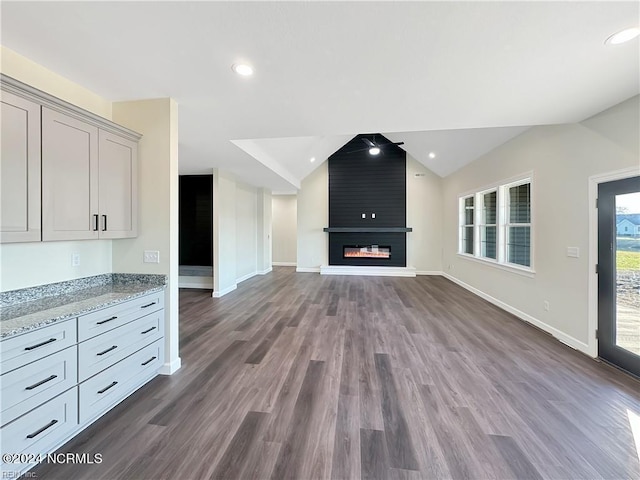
573,252
151,256
75,260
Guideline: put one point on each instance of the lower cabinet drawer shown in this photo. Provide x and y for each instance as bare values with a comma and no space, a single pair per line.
99,353
108,388
34,384
41,430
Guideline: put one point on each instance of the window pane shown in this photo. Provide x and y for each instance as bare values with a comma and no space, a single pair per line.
468,211
488,242
489,210
519,246
467,240
520,204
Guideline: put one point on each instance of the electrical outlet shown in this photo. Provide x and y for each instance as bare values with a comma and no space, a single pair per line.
75,260
546,306
151,256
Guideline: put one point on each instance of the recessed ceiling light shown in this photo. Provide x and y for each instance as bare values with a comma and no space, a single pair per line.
374,151
242,69
432,155
313,159
623,36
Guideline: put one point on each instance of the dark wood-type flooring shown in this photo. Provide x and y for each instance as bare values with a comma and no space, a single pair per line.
302,376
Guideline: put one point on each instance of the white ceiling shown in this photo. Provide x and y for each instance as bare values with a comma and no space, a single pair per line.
456,78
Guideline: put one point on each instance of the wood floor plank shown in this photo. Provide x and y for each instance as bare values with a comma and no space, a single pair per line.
399,444
299,375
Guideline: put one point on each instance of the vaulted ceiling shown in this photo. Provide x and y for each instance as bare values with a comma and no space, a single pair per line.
453,78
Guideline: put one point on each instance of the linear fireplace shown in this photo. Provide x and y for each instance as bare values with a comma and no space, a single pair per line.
366,251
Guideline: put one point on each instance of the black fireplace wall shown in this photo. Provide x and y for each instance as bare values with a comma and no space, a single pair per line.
360,183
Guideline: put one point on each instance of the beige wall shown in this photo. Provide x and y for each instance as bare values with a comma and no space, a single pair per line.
157,121
313,216
285,228
562,158
37,76
224,233
246,231
424,215
29,264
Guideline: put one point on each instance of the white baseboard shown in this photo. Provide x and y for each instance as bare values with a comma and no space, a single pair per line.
308,269
284,264
246,277
368,271
195,282
561,336
169,368
265,271
220,293
428,272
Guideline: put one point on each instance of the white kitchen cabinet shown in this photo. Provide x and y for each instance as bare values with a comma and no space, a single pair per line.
69,178
19,169
89,180
117,186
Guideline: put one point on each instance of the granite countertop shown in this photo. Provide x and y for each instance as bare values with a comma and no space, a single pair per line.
35,307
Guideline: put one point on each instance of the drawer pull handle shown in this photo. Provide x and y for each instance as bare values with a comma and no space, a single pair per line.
95,222
38,432
105,321
40,344
41,382
108,387
107,350
148,361
104,223
148,330
146,306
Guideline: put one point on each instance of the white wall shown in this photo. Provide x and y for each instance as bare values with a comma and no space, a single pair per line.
29,264
265,227
285,229
157,121
424,215
246,231
224,233
313,216
562,158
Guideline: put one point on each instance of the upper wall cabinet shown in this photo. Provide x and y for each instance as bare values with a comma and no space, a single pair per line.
64,168
19,169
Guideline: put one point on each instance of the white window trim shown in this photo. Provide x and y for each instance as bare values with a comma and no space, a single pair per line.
480,224
500,262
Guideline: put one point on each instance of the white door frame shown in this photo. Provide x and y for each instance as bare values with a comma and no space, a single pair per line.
594,181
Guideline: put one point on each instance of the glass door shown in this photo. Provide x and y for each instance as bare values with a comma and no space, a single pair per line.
619,273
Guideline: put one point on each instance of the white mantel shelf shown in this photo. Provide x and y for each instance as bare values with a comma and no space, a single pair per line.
368,271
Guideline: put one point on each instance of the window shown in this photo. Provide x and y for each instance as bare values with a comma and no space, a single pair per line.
501,231
467,227
488,225
519,224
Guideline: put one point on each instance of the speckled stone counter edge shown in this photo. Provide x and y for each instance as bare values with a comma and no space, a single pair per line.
22,295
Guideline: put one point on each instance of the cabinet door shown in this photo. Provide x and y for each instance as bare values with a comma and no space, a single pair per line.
69,178
19,170
118,178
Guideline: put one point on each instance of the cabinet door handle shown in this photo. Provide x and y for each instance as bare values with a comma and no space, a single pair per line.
148,361
146,306
40,344
95,222
105,321
39,431
41,382
107,350
108,387
148,330
104,223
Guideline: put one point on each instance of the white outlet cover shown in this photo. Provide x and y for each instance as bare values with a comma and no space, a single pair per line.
75,260
573,252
